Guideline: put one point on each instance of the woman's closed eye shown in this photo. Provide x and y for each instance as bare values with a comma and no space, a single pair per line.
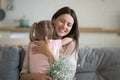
62,21
69,25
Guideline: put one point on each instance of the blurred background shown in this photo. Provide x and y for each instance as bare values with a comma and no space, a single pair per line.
99,20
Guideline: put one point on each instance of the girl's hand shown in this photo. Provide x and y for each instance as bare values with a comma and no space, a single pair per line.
66,40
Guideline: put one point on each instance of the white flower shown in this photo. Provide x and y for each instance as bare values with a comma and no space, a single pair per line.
59,69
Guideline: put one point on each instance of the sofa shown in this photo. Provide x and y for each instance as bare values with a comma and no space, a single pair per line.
102,63
11,60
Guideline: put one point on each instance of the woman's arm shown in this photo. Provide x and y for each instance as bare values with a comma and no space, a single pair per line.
44,47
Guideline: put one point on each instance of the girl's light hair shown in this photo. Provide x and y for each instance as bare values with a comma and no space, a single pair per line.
41,29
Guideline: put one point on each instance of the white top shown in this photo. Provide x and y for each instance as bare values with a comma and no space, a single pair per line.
73,61
72,58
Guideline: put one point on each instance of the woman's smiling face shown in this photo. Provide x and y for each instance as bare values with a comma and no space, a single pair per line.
63,24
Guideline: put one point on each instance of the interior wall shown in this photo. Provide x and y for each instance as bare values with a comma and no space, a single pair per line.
90,13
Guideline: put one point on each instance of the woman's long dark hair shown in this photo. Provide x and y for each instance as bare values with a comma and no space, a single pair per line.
74,33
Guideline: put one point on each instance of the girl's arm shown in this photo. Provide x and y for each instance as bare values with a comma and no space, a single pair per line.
66,40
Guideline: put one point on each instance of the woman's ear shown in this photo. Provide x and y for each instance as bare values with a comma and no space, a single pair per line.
53,22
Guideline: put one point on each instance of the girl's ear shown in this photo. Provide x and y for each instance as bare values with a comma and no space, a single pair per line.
46,39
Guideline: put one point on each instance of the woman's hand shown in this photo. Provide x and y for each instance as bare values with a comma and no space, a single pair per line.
39,76
41,47
44,48
34,76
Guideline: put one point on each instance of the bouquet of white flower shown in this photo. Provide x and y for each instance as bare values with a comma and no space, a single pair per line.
58,70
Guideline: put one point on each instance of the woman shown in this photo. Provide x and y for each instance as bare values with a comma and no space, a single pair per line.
66,25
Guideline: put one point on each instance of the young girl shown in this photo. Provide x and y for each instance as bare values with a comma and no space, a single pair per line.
40,62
